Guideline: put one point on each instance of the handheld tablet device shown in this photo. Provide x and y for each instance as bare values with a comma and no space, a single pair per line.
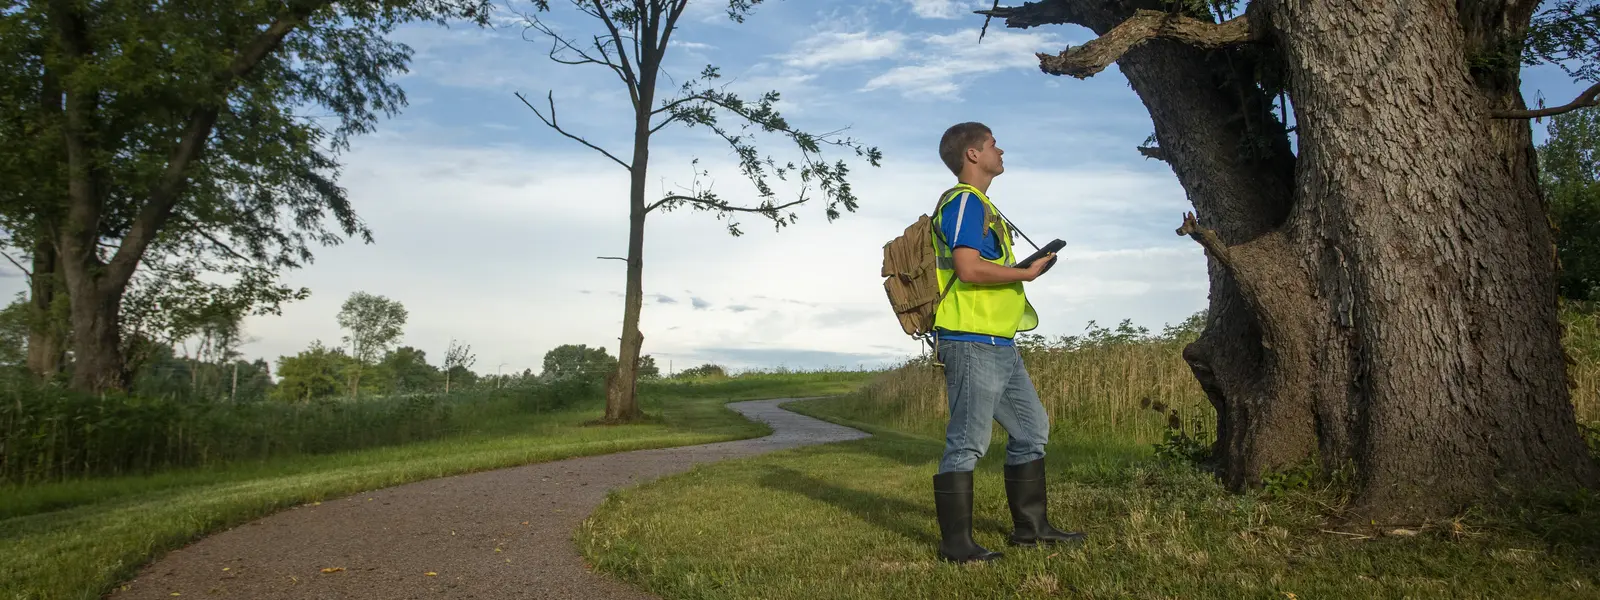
1054,246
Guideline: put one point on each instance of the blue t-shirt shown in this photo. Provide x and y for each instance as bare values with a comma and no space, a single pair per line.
964,222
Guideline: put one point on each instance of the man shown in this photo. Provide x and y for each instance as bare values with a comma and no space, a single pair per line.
974,326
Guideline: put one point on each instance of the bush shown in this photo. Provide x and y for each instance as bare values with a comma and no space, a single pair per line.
47,433
705,371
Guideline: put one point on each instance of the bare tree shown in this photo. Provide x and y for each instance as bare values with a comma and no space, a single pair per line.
632,42
457,355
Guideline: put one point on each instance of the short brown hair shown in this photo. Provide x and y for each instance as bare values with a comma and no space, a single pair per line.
957,139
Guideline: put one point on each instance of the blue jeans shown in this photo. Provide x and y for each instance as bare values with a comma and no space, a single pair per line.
986,382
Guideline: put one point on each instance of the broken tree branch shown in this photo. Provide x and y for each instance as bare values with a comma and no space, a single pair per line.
1208,239
1034,14
1589,97
552,123
986,19
1153,152
1086,60
612,258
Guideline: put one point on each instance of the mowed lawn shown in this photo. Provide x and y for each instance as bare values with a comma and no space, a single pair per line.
77,540
856,520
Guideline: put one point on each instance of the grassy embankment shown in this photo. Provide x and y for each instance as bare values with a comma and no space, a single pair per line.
77,537
856,519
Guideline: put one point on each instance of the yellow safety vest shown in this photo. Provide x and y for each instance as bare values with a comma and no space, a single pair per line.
997,309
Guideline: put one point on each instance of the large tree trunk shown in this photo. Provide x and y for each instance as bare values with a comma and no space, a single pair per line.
47,344
97,363
1391,304
621,404
1450,273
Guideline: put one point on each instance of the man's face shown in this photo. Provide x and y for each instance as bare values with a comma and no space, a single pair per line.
989,157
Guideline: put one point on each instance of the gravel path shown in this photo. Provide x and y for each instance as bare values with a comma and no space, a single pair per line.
505,533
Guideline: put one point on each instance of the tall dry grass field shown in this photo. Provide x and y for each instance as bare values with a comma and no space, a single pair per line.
1128,383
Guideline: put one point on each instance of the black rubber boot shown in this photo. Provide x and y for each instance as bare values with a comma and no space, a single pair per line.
1025,494
952,495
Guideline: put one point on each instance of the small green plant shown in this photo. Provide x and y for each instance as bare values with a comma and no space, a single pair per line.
1296,478
1180,442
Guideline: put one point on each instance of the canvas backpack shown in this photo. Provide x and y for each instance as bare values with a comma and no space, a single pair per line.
911,280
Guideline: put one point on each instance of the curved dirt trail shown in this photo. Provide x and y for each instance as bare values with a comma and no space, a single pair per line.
467,529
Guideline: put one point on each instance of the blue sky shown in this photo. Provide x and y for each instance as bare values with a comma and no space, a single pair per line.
488,224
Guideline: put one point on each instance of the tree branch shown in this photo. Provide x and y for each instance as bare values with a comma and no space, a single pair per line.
552,123
616,36
219,243
19,266
1154,152
1086,60
559,43
720,205
1589,97
665,123
987,16
1208,239
158,208
1034,14
612,258
672,20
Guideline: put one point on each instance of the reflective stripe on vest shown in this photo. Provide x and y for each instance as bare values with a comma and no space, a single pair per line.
1000,309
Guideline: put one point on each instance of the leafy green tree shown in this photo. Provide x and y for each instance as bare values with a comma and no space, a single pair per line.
1569,172
314,373
249,381
648,368
406,370
186,125
374,323
631,40
577,361
14,333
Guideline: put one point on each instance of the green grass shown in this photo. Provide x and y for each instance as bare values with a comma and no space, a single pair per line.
856,520
78,539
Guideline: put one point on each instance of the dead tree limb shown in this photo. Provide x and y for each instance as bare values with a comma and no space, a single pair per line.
1589,97
1145,25
551,122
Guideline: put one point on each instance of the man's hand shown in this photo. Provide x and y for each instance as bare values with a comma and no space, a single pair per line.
1037,268
971,268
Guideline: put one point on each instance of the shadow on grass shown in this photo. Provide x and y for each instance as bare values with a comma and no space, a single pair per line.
913,521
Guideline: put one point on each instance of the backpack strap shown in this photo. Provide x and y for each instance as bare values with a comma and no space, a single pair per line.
933,335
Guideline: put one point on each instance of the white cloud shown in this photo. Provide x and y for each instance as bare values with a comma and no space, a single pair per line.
497,246
936,67
831,48
944,9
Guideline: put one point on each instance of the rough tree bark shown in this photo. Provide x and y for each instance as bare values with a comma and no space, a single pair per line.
1385,299
47,351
